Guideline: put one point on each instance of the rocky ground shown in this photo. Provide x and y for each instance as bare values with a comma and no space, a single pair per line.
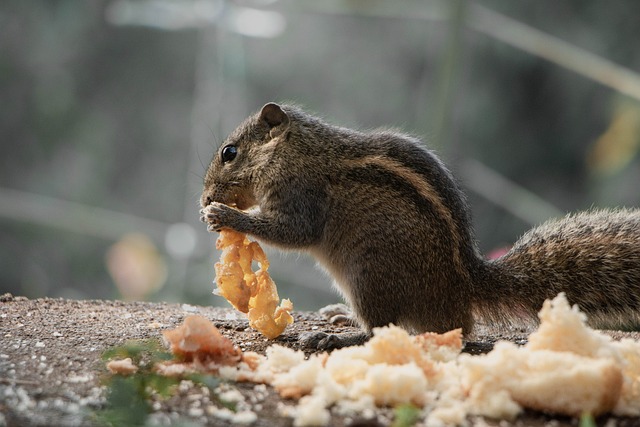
52,373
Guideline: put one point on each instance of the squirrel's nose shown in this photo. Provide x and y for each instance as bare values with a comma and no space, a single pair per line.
205,200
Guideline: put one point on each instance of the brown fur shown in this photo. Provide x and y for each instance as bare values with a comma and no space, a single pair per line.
386,219
594,257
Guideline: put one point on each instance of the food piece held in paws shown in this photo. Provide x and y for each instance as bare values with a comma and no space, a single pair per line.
250,292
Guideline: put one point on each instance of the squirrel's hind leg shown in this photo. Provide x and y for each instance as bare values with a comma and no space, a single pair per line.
336,315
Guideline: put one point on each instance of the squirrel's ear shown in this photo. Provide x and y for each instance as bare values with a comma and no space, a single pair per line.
275,118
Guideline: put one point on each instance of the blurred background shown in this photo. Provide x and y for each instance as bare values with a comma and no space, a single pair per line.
110,111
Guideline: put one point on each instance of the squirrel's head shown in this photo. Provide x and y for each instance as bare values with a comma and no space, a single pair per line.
235,169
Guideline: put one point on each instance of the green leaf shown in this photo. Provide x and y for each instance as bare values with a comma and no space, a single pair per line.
587,420
125,405
406,415
136,350
161,384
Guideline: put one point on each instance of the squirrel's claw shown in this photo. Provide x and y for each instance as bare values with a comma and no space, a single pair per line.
202,216
322,341
210,216
218,216
338,315
211,228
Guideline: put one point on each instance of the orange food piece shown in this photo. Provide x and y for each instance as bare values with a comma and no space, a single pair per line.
122,366
253,293
198,339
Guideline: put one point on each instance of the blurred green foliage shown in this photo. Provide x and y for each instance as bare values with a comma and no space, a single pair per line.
129,397
406,415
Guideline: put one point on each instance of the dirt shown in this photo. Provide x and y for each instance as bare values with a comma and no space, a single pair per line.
52,374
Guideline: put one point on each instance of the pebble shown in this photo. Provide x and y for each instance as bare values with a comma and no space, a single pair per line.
195,412
189,308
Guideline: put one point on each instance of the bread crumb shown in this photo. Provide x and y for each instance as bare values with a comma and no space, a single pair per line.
198,339
122,366
629,403
311,411
298,381
245,417
564,328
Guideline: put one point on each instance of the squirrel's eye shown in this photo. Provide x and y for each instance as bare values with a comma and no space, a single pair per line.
229,153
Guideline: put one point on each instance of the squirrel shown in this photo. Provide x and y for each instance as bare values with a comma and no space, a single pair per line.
386,218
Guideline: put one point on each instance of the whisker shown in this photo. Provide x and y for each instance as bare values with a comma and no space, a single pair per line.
200,159
197,175
217,142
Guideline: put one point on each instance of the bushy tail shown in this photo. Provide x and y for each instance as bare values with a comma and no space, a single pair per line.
593,257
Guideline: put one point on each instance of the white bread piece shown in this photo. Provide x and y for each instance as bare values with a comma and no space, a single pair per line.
564,328
544,380
566,368
629,403
392,368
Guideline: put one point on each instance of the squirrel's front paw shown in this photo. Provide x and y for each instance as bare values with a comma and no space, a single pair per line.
218,216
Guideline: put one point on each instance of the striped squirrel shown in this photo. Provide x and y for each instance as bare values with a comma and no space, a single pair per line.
384,216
